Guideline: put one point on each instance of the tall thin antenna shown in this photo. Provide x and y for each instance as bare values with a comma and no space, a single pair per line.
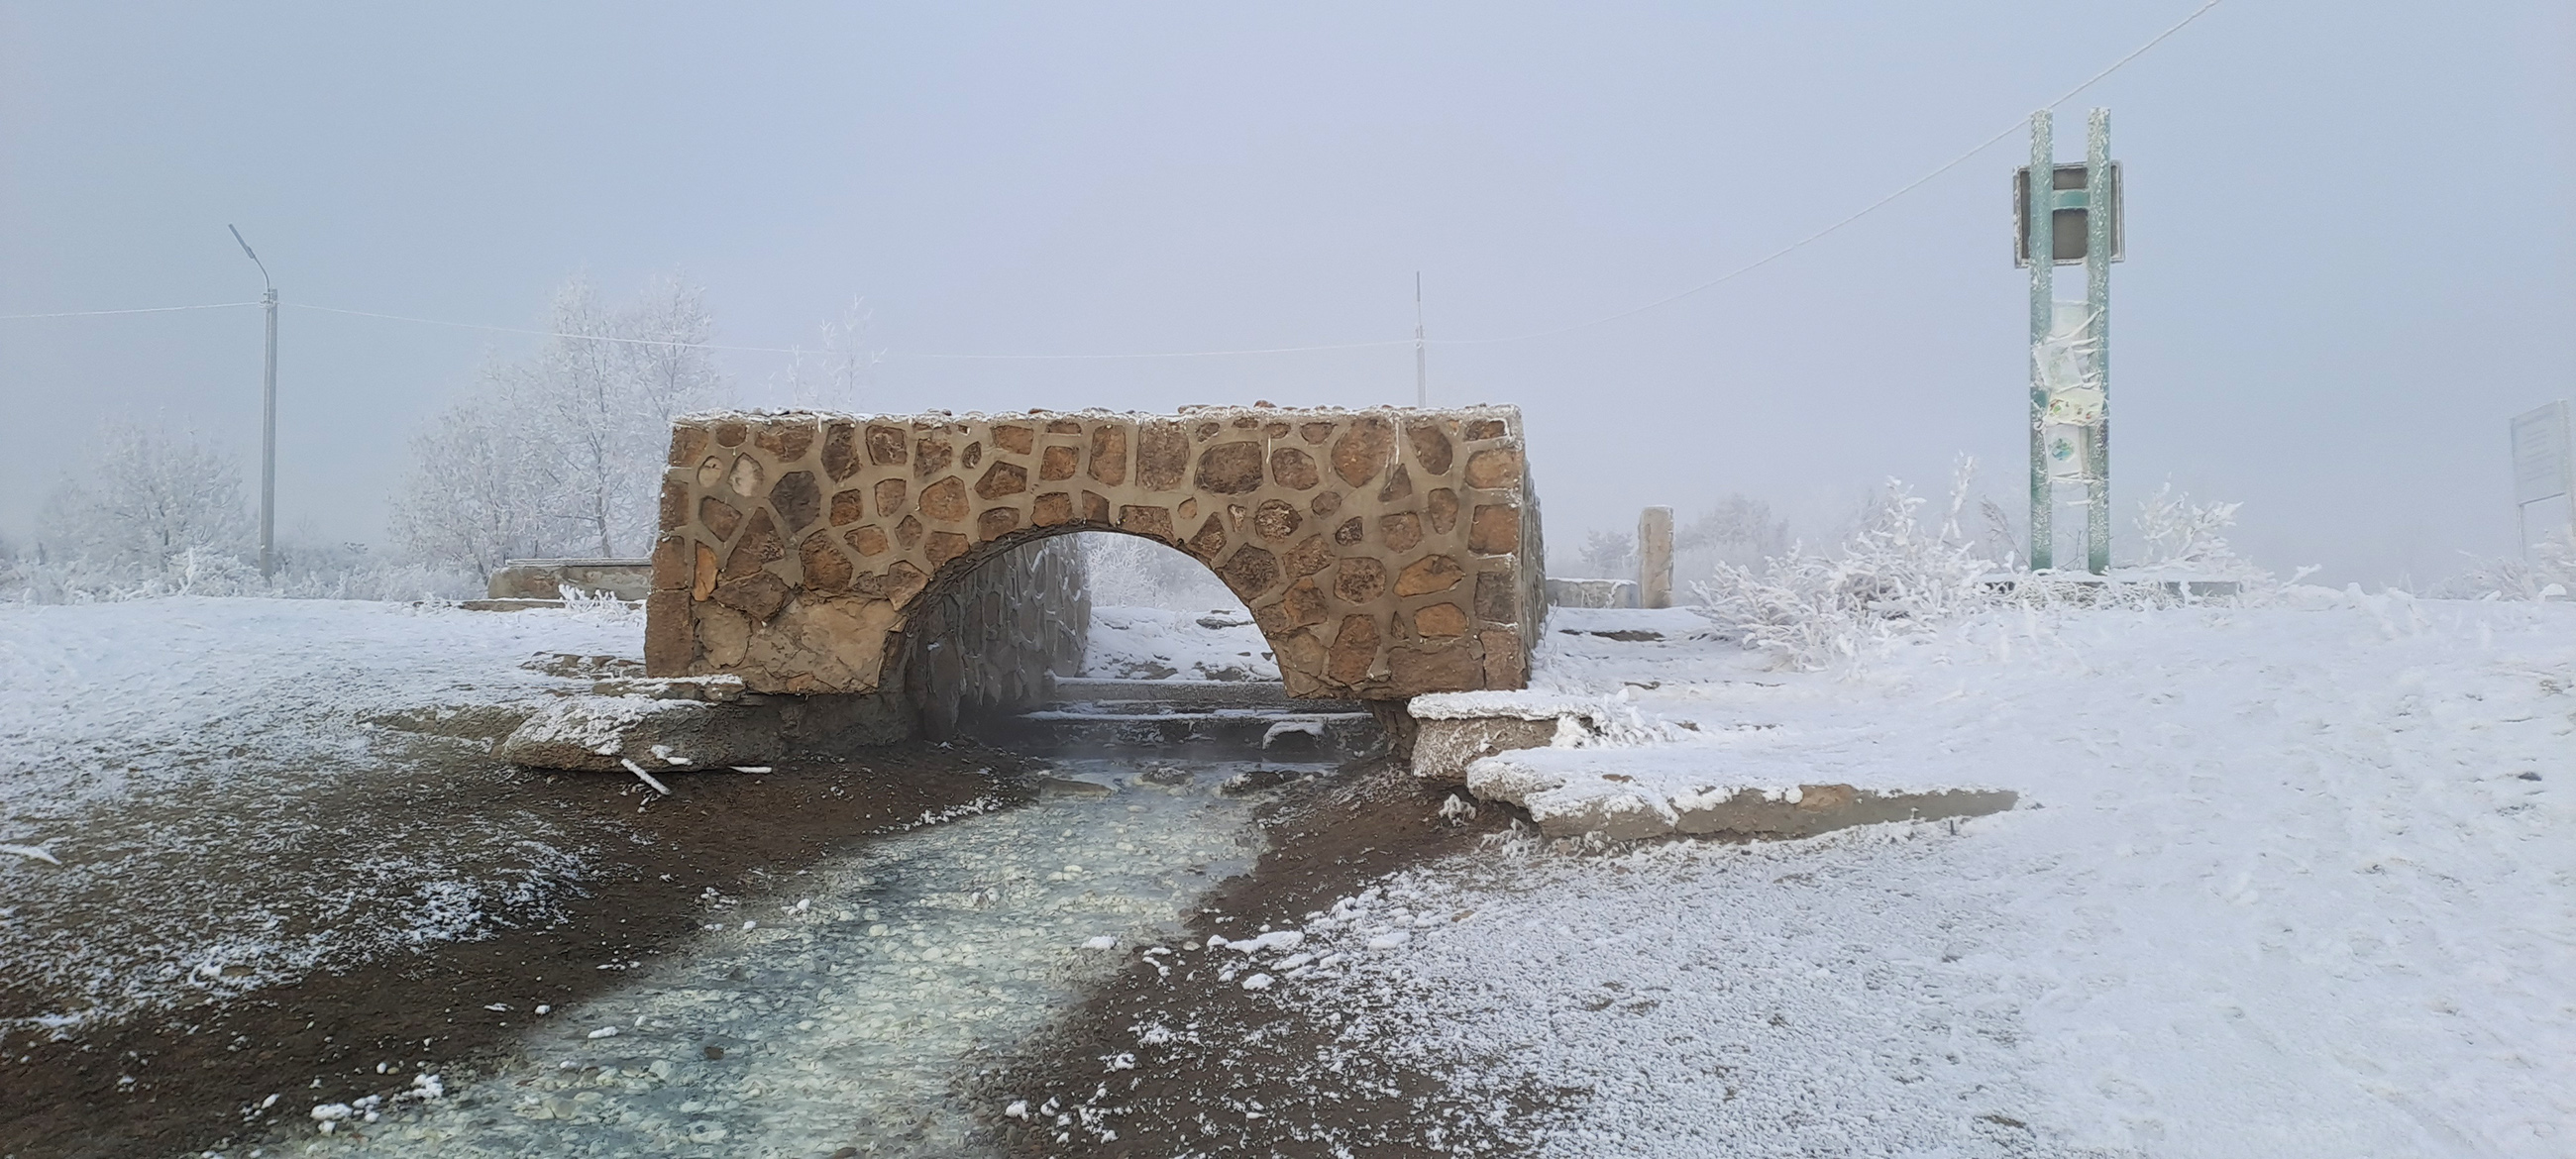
1421,350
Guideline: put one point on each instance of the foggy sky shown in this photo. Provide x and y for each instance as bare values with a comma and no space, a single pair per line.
2349,229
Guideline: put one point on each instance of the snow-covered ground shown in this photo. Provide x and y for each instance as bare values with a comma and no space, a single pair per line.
2290,880
1159,644
184,760
2297,880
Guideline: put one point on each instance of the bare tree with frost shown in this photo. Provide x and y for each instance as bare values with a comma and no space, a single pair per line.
1739,530
840,373
147,504
1609,555
560,453
478,495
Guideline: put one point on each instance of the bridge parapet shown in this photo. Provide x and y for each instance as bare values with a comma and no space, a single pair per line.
1384,553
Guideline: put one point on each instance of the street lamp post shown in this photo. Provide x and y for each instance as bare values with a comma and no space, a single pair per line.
267,421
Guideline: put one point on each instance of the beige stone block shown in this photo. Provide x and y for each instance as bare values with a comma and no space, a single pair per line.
886,445
670,644
1162,456
1494,469
1359,580
1496,530
1293,469
1431,446
1230,469
687,445
841,457
1108,455
1363,450
798,499
1354,651
786,440
1002,479
747,477
1150,521
1440,620
1431,573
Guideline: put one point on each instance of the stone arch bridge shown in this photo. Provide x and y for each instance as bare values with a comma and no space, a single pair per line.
1383,553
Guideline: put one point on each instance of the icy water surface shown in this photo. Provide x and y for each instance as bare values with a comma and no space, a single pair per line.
846,1014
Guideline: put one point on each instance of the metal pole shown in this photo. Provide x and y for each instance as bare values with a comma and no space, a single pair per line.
2097,303
268,444
2041,245
1421,352
267,418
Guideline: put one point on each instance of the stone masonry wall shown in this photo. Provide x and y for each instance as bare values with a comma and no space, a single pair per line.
1383,552
993,642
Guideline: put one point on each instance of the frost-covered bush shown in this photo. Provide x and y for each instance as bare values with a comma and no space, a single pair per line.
28,579
1902,572
2182,535
2550,574
1896,574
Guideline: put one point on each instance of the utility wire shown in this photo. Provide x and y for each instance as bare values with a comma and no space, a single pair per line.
810,350
1658,303
662,342
1864,211
144,310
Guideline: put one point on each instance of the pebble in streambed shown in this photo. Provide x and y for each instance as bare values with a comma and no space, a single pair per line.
845,1023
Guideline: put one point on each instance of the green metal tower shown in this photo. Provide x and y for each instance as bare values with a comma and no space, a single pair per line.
2070,342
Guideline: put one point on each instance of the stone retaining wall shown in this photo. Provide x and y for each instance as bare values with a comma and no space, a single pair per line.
993,642
1382,552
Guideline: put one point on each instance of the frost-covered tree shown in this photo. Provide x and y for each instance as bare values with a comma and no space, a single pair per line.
1738,530
560,453
1609,555
838,374
479,492
146,503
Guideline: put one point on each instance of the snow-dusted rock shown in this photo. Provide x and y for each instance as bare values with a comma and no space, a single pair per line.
1629,794
601,733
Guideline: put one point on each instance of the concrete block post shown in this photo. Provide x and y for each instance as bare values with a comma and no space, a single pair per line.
1655,558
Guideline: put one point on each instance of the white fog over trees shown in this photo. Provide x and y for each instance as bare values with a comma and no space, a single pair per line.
558,454
153,498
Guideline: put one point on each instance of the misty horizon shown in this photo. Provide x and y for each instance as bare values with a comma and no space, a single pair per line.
2314,318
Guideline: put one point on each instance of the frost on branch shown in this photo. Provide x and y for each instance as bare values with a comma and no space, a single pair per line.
2549,573
1894,575
560,454
2179,533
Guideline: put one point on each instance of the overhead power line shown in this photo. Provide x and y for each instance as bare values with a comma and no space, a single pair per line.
1605,319
142,310
1864,211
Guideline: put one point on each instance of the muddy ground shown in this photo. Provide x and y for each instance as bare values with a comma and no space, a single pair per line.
179,1081
188,1079
1257,1077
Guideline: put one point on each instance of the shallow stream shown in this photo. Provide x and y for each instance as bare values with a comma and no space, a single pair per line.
843,1015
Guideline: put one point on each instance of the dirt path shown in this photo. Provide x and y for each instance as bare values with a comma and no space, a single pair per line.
191,1078
1238,1071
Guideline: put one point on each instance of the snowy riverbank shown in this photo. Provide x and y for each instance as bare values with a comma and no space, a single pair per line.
2294,880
